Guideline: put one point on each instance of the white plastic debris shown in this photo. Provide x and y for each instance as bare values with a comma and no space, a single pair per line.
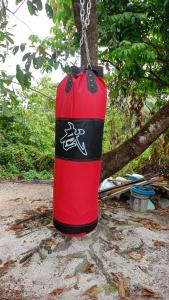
106,183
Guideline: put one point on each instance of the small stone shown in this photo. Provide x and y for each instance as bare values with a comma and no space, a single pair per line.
76,287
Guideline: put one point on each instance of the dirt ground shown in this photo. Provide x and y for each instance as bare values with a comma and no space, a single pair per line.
125,257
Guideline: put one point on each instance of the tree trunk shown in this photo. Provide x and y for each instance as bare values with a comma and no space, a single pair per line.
116,159
92,32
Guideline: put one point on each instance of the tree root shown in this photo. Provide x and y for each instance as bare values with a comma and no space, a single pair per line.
38,249
35,216
100,265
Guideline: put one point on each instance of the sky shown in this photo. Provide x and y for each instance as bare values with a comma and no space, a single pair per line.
25,25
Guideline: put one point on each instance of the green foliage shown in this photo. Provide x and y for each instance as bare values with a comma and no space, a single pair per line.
137,164
118,127
27,133
23,77
32,174
133,38
135,45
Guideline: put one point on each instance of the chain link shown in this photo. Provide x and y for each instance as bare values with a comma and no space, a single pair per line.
85,20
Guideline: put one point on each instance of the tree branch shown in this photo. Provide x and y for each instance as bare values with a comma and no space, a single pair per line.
157,79
13,13
37,91
19,7
109,61
116,159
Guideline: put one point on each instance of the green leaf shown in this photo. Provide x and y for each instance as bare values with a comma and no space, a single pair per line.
37,62
166,3
15,50
8,81
22,47
49,10
34,6
31,8
19,75
18,1
29,61
38,4
28,64
26,56
34,38
9,39
24,78
27,80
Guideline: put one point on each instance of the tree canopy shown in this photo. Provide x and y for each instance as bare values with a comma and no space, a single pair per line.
133,43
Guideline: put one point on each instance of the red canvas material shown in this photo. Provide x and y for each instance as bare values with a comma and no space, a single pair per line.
80,112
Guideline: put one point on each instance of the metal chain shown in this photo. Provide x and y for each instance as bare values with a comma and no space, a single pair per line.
85,20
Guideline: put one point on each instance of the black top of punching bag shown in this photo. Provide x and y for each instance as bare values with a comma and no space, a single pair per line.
98,71
91,73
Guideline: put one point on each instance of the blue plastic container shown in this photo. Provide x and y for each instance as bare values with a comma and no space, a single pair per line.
140,196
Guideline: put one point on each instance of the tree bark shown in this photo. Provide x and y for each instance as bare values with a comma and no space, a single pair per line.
116,159
92,32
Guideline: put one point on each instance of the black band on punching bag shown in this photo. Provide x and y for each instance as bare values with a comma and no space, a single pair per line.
74,229
79,139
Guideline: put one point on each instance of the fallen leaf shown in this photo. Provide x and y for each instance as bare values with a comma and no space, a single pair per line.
161,244
90,269
34,200
85,267
92,291
137,256
121,284
70,275
15,227
5,266
149,224
57,291
51,241
116,247
121,288
150,293
126,281
119,236
163,211
16,199
42,208
116,279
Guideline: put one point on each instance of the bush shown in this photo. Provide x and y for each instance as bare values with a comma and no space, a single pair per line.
27,134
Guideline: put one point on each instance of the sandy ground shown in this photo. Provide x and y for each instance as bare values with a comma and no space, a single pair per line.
126,257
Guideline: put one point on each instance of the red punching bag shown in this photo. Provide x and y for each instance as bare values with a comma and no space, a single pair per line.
80,112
